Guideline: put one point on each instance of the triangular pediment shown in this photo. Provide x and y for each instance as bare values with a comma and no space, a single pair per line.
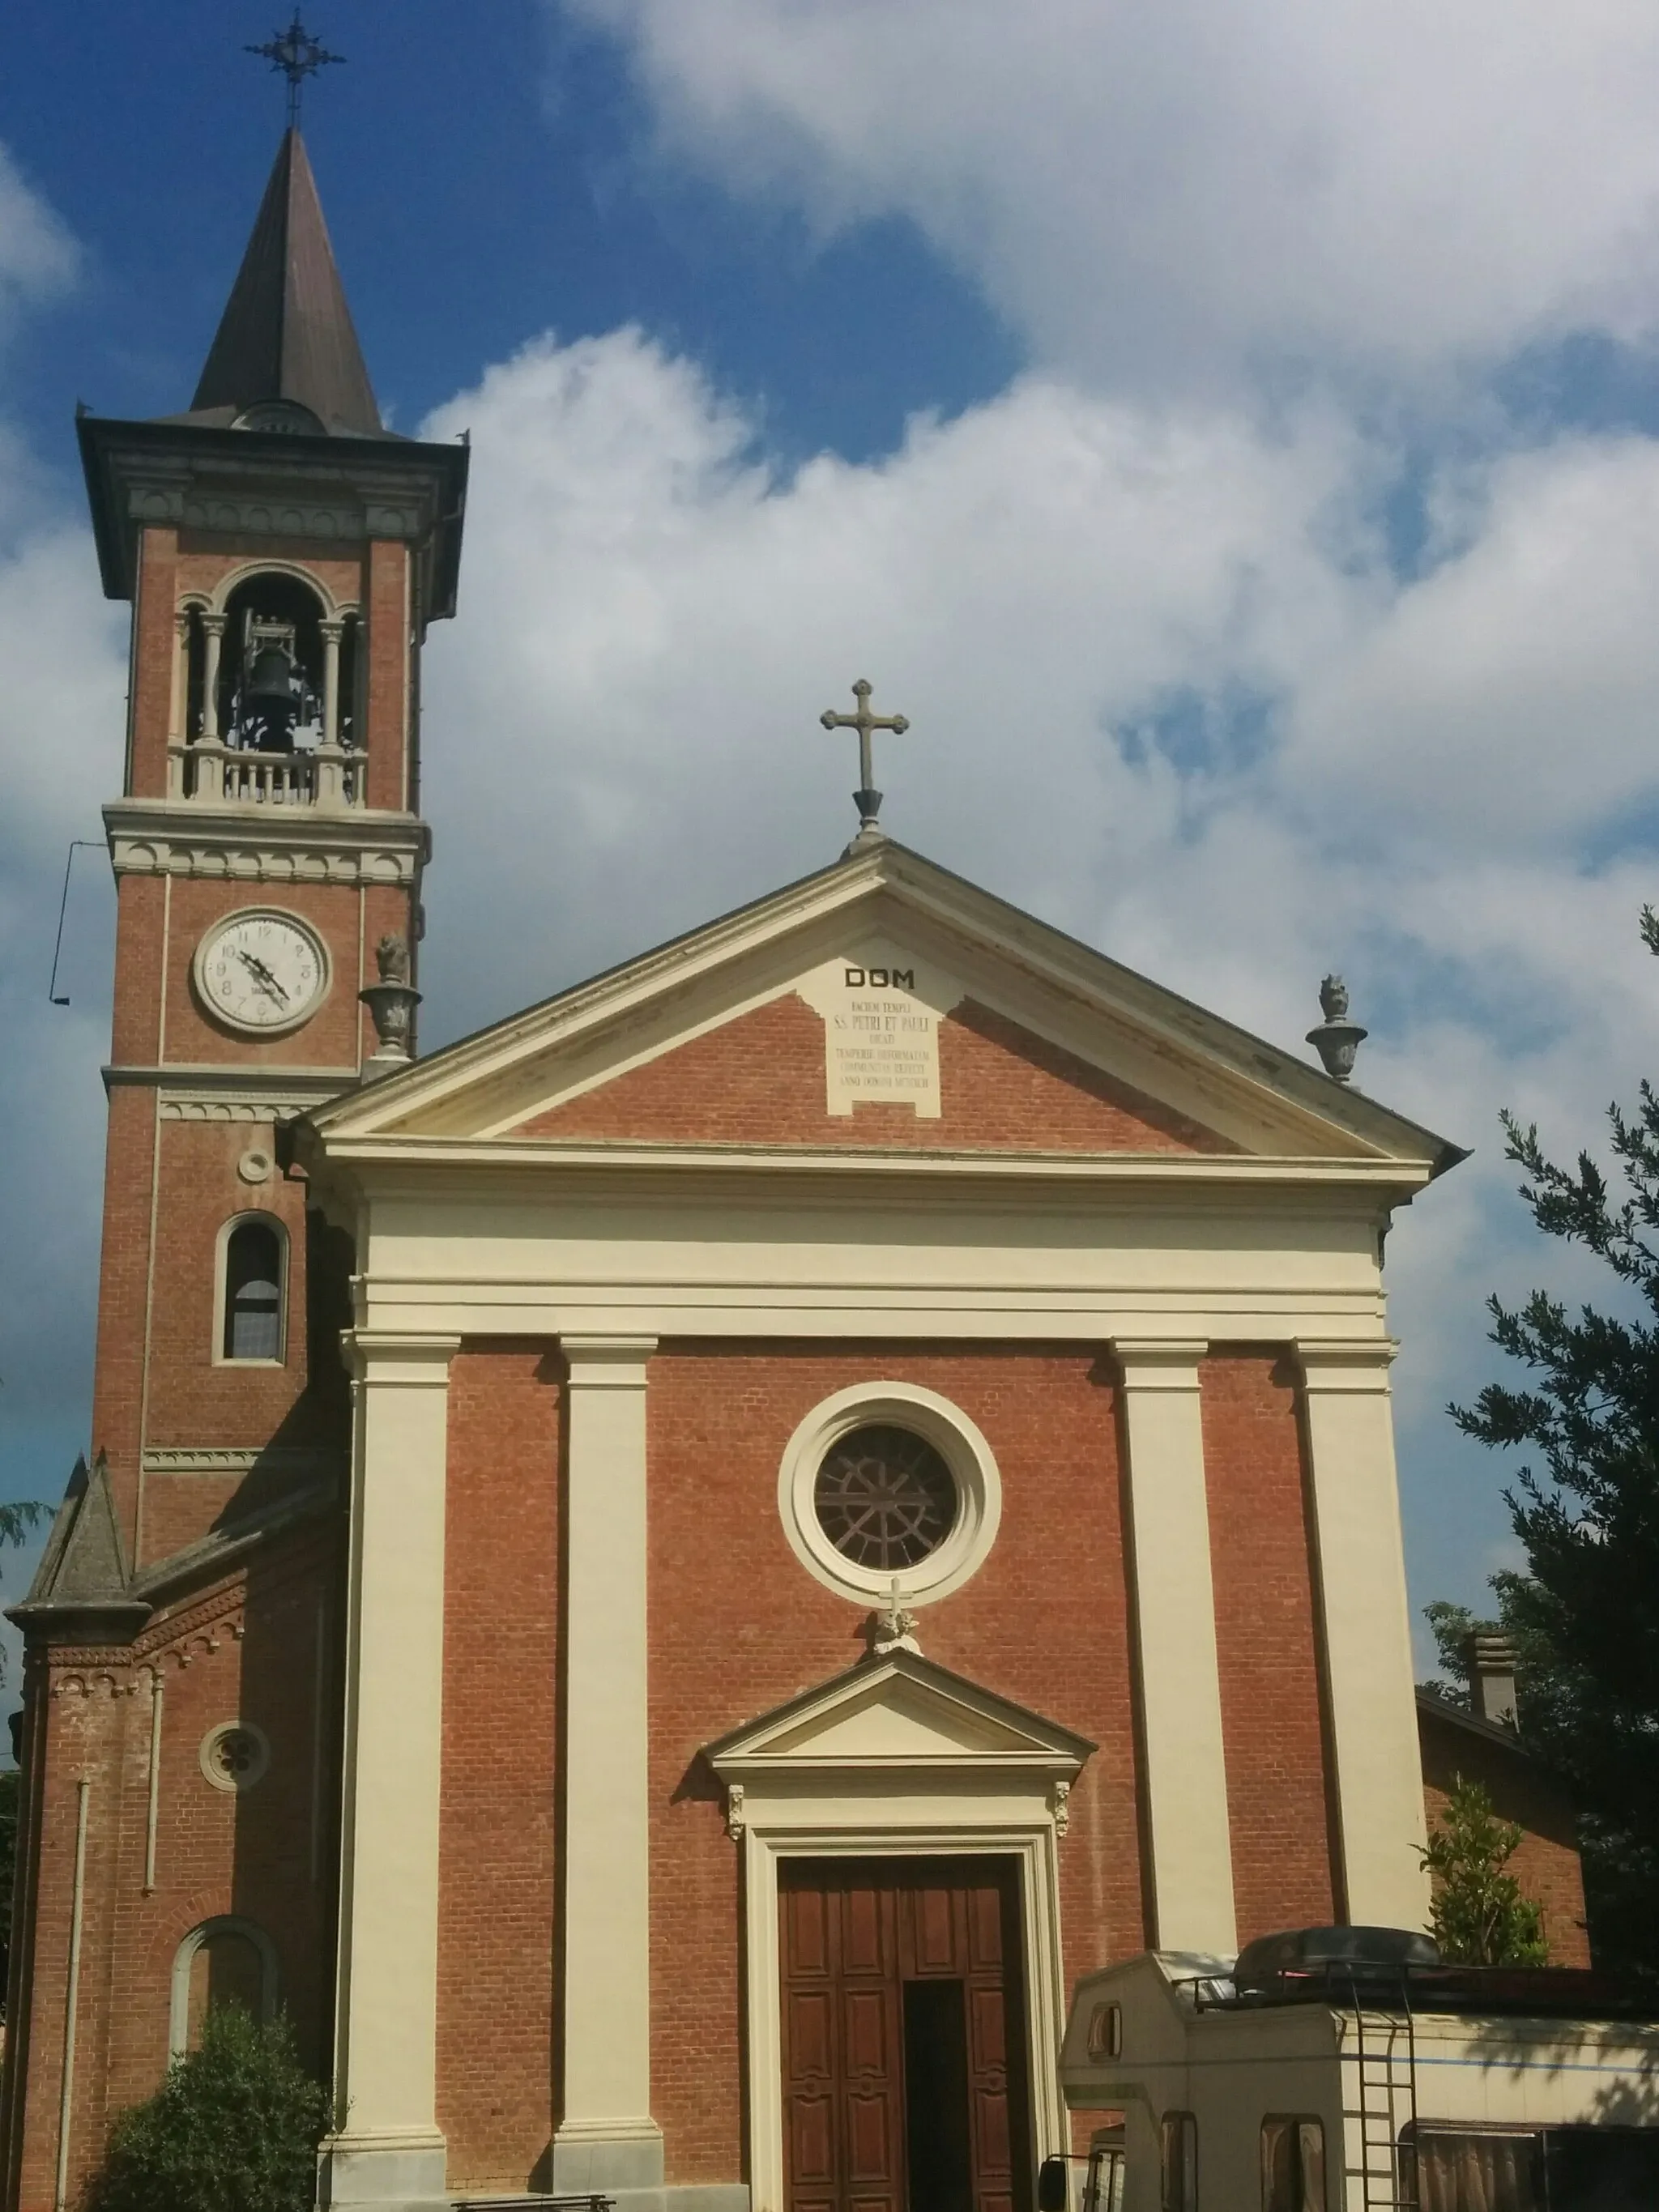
883,1003
898,1711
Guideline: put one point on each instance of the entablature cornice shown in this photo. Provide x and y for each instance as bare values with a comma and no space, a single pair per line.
232,1093
408,1166
259,844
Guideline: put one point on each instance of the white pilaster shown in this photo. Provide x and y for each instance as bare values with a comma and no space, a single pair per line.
389,2150
1187,1833
1367,1632
606,2139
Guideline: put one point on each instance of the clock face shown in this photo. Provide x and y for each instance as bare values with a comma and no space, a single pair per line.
262,972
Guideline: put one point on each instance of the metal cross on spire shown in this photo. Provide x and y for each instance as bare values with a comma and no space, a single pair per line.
866,797
298,55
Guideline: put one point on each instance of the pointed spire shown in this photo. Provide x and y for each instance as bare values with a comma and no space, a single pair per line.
286,333
85,1560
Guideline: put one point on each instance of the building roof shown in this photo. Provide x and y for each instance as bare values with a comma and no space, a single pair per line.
1434,1704
287,333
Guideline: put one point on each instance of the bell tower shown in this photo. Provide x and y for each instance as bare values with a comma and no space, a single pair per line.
284,554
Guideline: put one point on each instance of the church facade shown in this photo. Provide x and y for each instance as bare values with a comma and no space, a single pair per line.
662,1578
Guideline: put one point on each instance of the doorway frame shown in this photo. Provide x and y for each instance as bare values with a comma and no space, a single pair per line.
934,1828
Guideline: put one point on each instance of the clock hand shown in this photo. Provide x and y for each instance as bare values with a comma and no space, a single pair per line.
263,977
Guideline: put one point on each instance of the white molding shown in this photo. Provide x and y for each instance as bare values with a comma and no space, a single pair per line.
1382,1182
399,1359
331,609
958,1441
263,844
239,1459
922,1827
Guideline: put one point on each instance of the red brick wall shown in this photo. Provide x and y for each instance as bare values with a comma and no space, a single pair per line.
737,1626
204,561
191,1401
154,647
389,650
1277,1792
136,1029
123,1289
497,2065
1547,1863
249,1650
760,1079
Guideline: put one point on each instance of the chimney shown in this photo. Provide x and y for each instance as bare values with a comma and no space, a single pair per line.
1491,1678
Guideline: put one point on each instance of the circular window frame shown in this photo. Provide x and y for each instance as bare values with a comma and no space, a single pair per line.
234,1784
958,1441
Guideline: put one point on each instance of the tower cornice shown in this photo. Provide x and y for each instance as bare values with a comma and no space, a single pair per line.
251,485
264,845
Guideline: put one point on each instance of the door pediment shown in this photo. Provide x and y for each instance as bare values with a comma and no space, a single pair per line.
901,1713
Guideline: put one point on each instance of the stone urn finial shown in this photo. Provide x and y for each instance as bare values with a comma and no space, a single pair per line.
391,1003
1336,1039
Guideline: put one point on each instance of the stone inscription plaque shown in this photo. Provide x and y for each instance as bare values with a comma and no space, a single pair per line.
880,1033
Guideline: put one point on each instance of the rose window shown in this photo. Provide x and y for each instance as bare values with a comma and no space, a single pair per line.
234,1755
884,1498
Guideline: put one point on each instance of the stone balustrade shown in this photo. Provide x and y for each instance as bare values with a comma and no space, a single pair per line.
332,779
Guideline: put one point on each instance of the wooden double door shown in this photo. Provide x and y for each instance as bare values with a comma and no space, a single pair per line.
904,2079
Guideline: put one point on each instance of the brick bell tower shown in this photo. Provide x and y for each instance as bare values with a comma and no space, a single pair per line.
284,554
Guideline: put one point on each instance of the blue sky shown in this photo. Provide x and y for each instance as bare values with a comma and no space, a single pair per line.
482,175
1230,432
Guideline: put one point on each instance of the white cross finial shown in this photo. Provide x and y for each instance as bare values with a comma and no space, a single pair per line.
892,1628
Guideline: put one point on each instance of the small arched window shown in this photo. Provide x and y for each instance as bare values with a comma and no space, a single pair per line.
227,1960
254,1271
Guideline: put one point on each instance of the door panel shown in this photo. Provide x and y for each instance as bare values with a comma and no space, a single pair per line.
869,2053
903,2018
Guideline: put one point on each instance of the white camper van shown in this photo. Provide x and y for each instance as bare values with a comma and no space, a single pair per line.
1346,2069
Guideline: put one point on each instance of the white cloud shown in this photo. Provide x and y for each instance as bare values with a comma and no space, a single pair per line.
1188,189
38,256
622,739
1165,687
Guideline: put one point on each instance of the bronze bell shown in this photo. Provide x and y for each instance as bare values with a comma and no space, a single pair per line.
270,703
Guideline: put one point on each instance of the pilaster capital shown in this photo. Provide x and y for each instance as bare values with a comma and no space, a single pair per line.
1160,1363
1356,1365
385,1359
607,1363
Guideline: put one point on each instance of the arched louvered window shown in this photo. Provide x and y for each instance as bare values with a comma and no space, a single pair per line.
253,1290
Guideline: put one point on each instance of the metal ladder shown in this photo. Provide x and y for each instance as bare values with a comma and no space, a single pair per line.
1384,2057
